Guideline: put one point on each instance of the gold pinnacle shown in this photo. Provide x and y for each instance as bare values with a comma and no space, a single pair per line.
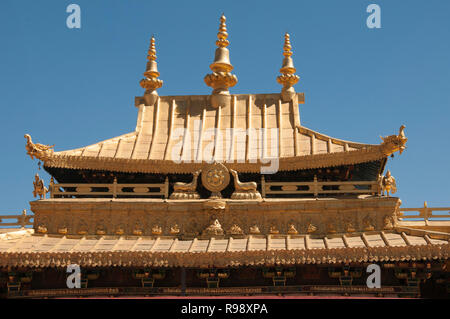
221,78
151,81
222,36
287,45
152,51
287,77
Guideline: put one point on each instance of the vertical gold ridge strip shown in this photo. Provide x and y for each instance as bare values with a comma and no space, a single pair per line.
216,133
100,150
140,117
155,244
117,243
229,243
173,245
192,246
296,141
280,137
231,156
186,131
264,131
133,248
77,244
200,134
155,126
169,136
288,242
210,243
63,239
365,241
313,143
329,146
249,124
386,241
96,244
345,241
138,130
268,242
326,243
345,147
247,244
405,238
307,242
117,148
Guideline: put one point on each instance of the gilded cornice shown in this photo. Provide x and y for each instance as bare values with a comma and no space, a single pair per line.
224,259
127,165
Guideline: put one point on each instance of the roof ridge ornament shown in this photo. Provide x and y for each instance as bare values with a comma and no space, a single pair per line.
151,82
221,78
287,77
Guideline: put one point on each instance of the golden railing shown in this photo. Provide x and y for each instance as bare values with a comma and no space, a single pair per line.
67,190
22,220
315,187
425,213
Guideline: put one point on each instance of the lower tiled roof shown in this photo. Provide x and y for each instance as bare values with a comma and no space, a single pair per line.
24,248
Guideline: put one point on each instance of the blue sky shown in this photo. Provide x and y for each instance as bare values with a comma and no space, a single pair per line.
75,87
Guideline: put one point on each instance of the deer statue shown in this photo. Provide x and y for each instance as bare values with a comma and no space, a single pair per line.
243,190
186,190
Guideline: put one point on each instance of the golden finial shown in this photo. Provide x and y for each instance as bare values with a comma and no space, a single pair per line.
222,36
151,82
221,78
287,45
152,51
287,77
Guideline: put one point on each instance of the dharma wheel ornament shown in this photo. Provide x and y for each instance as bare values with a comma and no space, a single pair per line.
287,77
151,82
221,78
215,178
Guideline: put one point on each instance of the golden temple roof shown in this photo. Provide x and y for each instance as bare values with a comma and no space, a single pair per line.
189,129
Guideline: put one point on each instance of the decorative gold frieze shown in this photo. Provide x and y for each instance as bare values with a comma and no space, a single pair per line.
125,217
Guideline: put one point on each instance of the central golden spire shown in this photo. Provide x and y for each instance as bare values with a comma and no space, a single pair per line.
287,77
151,82
221,78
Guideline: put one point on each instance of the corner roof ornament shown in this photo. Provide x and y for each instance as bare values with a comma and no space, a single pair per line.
151,82
287,77
221,78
